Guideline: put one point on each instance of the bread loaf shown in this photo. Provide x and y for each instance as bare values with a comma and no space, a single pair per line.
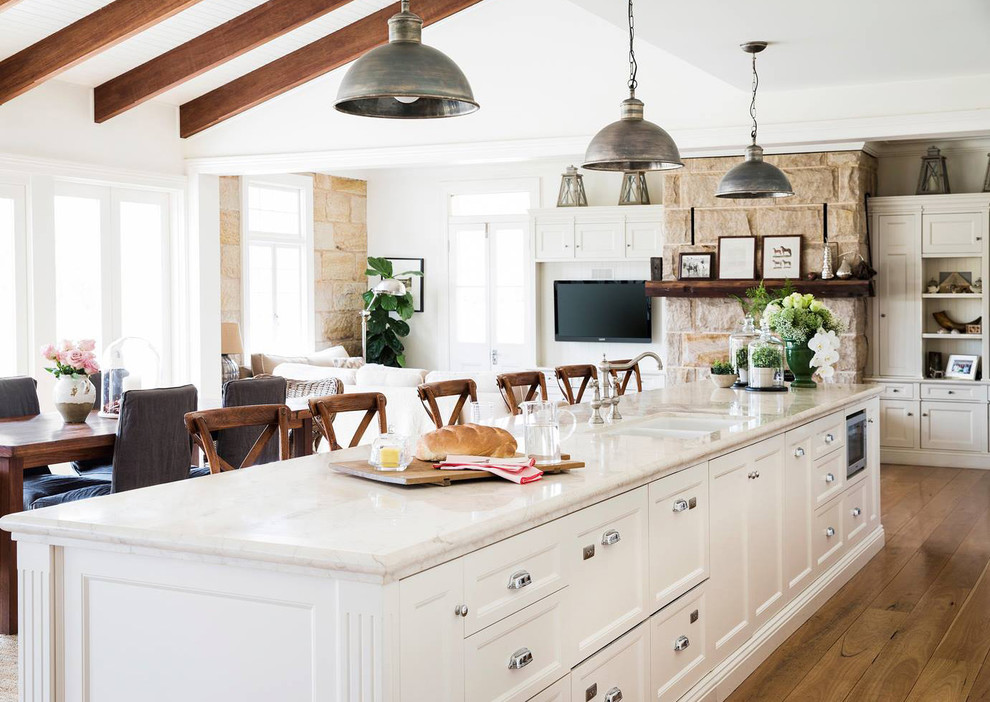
467,440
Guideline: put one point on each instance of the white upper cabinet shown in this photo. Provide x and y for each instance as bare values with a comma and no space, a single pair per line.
554,239
898,294
955,233
598,233
599,241
643,239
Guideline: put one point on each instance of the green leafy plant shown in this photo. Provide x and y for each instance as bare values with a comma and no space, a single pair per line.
758,298
742,357
722,368
387,324
766,357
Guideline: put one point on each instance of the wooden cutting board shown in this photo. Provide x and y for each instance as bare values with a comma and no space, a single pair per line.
423,473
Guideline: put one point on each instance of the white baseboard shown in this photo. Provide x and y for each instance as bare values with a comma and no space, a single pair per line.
940,459
731,672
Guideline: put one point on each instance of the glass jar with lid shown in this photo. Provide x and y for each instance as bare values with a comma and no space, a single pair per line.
391,451
130,363
766,362
739,350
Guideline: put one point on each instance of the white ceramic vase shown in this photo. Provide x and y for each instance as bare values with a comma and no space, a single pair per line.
74,398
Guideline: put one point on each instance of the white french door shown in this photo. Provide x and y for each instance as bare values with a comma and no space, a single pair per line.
14,347
491,305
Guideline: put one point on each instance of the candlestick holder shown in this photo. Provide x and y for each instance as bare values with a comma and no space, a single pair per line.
827,273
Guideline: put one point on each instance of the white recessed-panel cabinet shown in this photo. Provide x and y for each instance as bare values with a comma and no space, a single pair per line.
946,233
954,426
598,233
898,293
599,240
554,240
900,423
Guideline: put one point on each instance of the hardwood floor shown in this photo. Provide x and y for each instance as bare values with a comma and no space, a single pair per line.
914,624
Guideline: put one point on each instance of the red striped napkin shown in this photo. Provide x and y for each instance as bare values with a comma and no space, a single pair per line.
518,470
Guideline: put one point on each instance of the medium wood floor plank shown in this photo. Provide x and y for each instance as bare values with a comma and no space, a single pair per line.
784,669
981,688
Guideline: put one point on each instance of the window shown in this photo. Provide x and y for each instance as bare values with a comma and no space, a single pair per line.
278,264
490,204
13,317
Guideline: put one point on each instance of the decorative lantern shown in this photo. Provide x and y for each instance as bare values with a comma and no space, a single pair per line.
766,362
128,364
934,178
572,189
634,190
986,179
739,350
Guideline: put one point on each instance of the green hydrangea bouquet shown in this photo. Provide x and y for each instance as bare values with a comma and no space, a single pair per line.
810,332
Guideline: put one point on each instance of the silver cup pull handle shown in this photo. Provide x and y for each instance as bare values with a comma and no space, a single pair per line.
520,659
680,505
681,643
611,537
519,580
613,695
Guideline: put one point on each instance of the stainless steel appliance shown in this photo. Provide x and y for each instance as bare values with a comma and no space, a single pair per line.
855,443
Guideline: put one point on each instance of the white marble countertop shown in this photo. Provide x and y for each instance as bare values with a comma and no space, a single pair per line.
301,513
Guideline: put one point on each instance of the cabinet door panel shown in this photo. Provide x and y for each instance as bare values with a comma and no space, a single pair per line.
952,233
678,533
798,560
827,534
599,240
554,240
643,239
899,295
900,422
954,426
765,536
431,635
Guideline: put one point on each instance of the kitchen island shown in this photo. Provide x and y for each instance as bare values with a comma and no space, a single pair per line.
706,526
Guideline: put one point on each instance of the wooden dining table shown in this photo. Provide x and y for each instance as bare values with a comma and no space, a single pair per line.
45,439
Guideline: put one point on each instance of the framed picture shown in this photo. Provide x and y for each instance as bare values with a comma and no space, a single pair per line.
696,266
413,283
737,258
782,257
962,366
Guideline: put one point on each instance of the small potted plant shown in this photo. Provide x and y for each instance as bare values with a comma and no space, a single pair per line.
766,364
742,365
723,375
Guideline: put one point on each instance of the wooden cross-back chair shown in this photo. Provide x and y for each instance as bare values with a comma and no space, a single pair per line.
566,374
463,389
533,381
326,409
622,383
274,419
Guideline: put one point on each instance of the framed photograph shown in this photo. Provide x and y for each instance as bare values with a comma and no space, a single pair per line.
737,258
962,367
696,266
782,257
413,283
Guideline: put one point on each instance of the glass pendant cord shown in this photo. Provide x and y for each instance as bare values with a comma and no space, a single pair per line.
752,104
633,66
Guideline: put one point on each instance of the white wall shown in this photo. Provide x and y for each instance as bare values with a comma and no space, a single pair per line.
900,164
407,217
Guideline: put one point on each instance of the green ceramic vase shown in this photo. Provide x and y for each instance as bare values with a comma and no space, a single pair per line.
799,361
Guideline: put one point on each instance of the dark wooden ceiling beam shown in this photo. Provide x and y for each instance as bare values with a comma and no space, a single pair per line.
303,65
86,37
250,30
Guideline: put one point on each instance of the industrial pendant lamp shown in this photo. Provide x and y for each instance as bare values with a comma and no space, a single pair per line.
632,144
405,79
754,177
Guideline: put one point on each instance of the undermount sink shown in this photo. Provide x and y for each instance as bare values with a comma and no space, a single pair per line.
681,426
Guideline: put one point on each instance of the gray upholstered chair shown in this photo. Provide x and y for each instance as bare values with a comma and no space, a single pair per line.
19,398
233,445
152,446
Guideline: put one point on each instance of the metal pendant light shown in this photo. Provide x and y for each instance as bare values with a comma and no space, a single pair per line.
754,177
405,79
632,143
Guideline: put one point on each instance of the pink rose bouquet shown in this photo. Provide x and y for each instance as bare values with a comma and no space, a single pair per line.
74,359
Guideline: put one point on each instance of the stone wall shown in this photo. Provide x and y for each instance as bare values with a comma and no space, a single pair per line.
696,329
340,242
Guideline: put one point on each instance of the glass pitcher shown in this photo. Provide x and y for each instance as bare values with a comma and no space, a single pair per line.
541,431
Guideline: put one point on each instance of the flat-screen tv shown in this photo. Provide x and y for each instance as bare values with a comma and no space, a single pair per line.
601,310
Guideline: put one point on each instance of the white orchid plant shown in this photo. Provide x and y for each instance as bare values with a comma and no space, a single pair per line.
802,318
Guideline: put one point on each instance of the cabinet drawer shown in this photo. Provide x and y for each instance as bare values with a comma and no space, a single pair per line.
621,670
607,563
952,233
830,434
501,579
828,477
679,651
517,657
954,393
954,426
827,535
560,691
678,533
899,391
856,511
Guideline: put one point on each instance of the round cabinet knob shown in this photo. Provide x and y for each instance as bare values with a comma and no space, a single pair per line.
798,452
461,610
829,438
895,390
883,315
829,478
829,532
924,414
611,537
952,392
856,511
681,643
869,421
910,414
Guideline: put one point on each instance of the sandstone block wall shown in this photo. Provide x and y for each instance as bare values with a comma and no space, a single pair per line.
696,330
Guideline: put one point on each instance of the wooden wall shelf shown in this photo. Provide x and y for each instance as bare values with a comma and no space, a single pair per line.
726,288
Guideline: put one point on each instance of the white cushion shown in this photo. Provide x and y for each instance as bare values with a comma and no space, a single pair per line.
386,376
321,358
304,371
